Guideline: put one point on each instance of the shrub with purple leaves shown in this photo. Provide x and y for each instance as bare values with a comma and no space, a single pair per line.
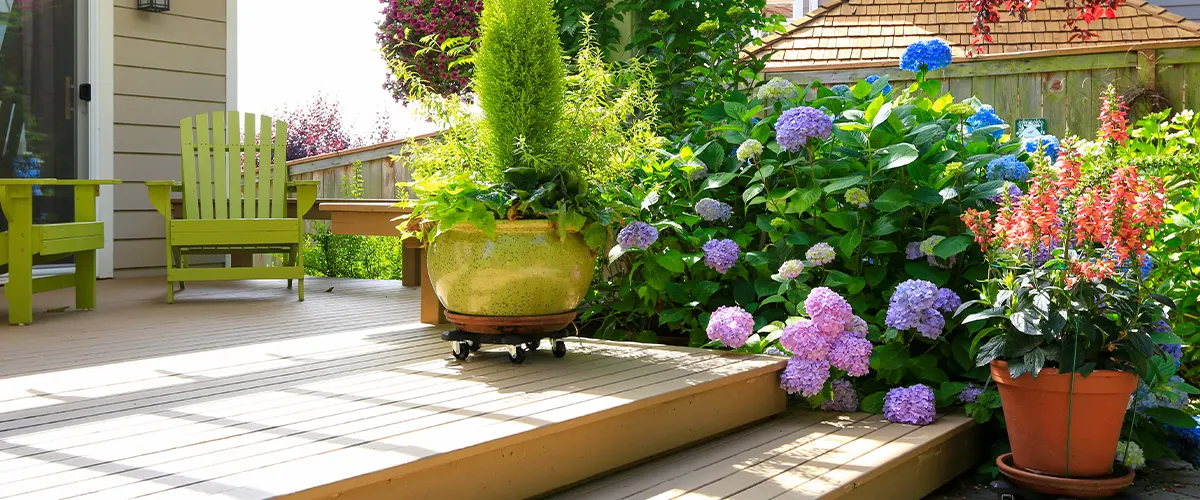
798,125
844,397
852,354
721,255
926,55
731,325
805,340
914,405
828,311
820,254
637,234
791,269
804,376
970,393
712,210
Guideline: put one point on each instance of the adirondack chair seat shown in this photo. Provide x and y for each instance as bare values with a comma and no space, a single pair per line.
235,199
26,244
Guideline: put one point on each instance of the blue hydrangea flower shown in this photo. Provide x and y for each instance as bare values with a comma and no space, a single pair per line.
27,166
844,397
1186,442
720,255
712,210
926,55
887,89
913,405
731,326
1175,351
985,117
1008,168
840,89
637,234
1048,145
797,125
1147,266
947,301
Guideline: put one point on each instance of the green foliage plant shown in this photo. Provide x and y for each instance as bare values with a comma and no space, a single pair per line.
352,256
603,125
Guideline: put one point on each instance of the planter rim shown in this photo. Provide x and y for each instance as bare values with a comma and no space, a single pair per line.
1099,381
510,226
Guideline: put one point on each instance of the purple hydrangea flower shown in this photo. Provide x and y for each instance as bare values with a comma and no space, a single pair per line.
720,255
828,310
773,351
913,405
947,301
1173,350
820,254
913,250
797,125
931,325
858,327
844,397
970,393
912,297
1002,198
730,325
713,210
637,234
852,354
804,340
791,269
804,376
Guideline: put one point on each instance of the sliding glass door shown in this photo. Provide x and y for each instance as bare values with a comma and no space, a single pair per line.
40,129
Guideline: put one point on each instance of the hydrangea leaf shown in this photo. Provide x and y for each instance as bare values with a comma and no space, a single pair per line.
671,261
898,155
952,246
841,220
843,183
850,242
717,181
1172,417
873,403
751,192
891,200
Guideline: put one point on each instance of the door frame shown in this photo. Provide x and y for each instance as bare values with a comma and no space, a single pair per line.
98,59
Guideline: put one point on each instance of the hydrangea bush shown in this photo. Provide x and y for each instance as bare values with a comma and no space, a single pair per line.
790,190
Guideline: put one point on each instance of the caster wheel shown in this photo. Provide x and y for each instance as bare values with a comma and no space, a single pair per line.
516,354
533,345
475,345
461,350
560,349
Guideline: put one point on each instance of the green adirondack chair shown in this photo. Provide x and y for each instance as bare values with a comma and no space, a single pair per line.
26,244
229,206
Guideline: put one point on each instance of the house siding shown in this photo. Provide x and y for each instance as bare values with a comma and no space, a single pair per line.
166,66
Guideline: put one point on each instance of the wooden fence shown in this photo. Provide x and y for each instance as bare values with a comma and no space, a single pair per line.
382,166
1061,86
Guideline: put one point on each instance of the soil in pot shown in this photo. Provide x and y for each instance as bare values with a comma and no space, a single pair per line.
1037,411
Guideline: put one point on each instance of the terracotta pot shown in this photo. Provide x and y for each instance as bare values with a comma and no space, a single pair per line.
1036,411
525,271
1060,486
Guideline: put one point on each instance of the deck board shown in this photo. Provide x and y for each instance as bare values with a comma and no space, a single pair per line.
240,391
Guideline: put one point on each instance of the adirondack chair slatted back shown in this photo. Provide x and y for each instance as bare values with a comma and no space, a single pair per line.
231,172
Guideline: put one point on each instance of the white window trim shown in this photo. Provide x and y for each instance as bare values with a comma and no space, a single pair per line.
100,124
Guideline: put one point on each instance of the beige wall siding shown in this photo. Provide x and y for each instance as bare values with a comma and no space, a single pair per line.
166,66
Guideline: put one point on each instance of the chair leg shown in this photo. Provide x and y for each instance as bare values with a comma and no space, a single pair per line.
170,292
184,265
85,280
300,288
290,261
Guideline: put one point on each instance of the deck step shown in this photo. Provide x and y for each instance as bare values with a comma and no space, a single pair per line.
802,454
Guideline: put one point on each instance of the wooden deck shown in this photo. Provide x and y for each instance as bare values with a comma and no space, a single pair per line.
805,455
240,391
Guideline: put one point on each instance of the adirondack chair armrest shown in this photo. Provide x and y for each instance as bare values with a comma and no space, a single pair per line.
160,195
306,195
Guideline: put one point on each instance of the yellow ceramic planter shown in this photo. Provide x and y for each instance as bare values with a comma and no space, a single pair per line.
525,271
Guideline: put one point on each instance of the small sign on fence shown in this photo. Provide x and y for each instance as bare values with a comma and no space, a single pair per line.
1030,127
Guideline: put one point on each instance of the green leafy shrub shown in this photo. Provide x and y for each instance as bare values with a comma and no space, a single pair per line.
519,80
352,256
898,170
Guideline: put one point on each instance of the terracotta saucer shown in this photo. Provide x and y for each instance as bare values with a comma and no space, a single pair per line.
511,324
1094,487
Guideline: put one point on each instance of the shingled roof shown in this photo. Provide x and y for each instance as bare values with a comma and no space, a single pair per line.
869,31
